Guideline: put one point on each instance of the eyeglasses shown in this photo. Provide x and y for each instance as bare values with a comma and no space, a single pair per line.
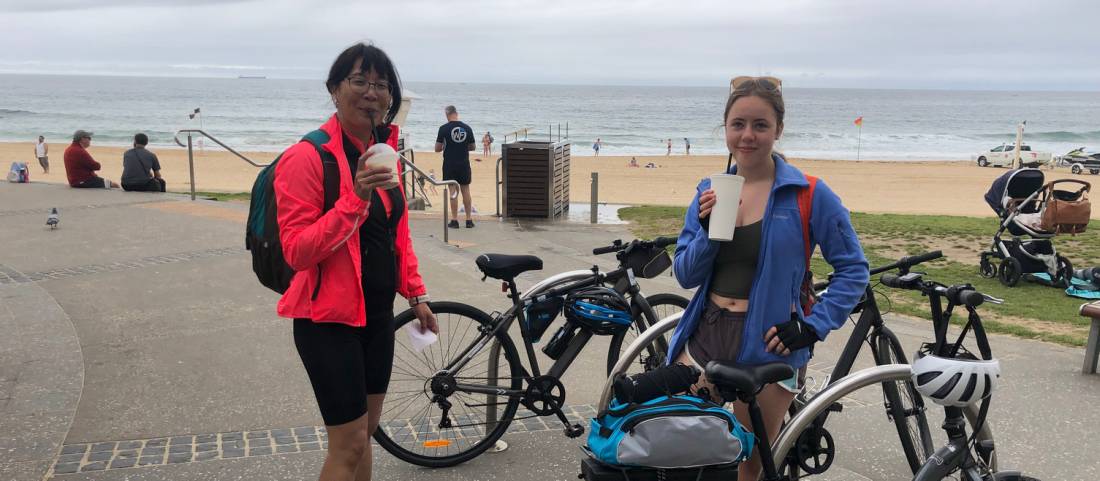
766,83
360,85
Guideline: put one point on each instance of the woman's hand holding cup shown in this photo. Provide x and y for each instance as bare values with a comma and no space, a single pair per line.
706,203
371,176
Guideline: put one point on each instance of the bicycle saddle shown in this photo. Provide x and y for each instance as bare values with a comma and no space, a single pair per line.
505,267
742,380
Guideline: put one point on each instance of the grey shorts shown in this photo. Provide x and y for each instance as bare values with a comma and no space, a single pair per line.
718,336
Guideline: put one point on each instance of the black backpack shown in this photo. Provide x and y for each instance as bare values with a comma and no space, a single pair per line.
261,235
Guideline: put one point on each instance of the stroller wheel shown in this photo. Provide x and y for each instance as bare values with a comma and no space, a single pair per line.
986,269
1010,271
1065,272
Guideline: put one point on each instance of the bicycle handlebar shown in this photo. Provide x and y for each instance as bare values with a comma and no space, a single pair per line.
619,245
904,264
908,261
963,295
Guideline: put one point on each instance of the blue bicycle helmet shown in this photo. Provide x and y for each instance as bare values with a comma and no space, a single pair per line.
599,309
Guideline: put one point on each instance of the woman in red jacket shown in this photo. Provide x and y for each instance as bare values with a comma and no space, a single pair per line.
351,260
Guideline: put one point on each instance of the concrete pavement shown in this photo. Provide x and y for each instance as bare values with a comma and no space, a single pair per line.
137,345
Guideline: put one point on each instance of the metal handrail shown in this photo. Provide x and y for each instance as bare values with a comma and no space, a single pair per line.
406,161
515,134
191,155
444,183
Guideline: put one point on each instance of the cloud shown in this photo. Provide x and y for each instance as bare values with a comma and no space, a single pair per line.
839,43
69,5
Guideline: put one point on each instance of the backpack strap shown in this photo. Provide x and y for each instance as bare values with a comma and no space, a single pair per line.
805,210
328,163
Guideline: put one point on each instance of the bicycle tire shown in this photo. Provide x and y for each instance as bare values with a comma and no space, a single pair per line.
903,403
663,305
410,386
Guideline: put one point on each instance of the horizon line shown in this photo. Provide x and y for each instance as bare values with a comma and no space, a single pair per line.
479,82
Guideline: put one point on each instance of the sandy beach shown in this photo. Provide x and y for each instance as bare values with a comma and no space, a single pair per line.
951,188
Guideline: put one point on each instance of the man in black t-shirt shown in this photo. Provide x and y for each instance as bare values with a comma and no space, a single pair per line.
456,140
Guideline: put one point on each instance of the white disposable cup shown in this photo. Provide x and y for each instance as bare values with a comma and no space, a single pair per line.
727,199
382,155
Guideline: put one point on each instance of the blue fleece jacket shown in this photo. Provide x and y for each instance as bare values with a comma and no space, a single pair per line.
780,267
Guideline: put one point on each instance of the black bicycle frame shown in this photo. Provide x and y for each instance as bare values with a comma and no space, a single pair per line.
576,345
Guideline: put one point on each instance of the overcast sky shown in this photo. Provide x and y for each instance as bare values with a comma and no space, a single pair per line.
1003,44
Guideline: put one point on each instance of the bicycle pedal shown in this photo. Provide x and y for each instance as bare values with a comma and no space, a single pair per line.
574,431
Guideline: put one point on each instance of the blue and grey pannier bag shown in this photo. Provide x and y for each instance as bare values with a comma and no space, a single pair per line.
678,431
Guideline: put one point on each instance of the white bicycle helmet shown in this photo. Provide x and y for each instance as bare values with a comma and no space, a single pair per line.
955,382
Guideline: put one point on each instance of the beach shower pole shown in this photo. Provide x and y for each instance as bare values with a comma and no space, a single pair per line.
191,164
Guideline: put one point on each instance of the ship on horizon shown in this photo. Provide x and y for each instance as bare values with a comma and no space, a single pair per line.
261,77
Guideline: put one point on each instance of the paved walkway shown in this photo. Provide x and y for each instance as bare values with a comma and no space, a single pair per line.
138,345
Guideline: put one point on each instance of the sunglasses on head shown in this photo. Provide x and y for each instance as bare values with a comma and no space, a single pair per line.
767,83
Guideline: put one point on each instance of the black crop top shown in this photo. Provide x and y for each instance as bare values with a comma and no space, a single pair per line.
735,266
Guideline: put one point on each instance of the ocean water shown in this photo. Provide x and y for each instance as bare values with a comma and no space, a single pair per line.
269,114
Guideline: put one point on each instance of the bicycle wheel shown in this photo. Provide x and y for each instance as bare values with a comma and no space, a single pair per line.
653,356
410,424
903,403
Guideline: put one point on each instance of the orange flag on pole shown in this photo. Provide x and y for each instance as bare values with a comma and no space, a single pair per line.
859,121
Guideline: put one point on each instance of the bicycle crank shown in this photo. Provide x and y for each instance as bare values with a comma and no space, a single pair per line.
815,450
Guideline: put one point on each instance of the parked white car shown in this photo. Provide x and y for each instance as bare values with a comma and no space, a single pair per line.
1002,156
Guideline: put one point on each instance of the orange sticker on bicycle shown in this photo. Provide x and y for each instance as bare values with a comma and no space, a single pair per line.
437,443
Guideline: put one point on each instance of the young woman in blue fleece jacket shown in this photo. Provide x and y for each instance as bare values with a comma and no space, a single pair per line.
746,307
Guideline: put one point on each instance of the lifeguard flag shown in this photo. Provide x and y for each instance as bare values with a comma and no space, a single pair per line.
859,121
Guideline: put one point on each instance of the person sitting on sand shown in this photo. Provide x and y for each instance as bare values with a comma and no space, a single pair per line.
633,162
80,167
141,168
747,306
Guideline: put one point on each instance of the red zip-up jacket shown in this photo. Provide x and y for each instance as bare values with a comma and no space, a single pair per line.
326,247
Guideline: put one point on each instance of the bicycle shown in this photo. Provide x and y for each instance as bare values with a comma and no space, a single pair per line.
448,425
967,456
816,449
813,410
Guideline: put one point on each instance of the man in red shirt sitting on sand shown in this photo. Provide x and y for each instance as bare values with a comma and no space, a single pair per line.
80,167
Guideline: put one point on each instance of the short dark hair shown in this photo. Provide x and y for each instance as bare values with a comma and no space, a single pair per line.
450,110
373,59
141,139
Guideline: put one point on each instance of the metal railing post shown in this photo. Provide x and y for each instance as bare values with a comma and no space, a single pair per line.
446,209
191,164
499,183
593,218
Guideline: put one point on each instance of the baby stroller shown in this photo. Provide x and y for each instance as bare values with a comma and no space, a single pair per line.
1033,212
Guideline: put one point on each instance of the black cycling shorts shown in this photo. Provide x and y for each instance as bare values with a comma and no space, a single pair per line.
345,364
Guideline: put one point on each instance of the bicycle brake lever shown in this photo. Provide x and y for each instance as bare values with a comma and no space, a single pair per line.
993,300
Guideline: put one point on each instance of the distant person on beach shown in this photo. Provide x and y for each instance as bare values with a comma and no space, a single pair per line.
487,142
80,167
350,260
431,185
651,165
456,140
141,168
687,146
596,146
669,151
720,322
633,162
42,153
